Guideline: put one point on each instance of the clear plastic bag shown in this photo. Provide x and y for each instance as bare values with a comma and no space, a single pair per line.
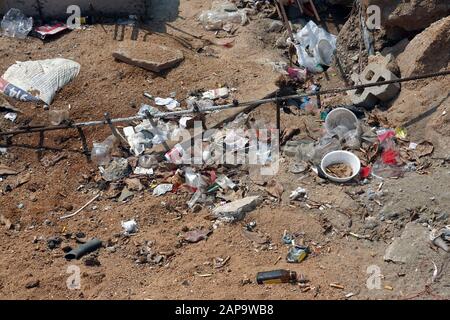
315,47
325,146
56,117
389,165
195,180
16,25
218,19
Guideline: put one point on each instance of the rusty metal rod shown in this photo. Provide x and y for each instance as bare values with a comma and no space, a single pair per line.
224,107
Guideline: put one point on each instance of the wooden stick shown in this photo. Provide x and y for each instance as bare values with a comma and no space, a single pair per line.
81,209
314,10
300,6
285,19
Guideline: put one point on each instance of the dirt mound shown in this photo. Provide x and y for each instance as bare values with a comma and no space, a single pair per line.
410,15
424,104
427,52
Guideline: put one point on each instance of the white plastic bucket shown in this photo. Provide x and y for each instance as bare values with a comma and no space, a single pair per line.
340,156
341,117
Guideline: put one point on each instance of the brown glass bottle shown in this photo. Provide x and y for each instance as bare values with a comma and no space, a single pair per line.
276,276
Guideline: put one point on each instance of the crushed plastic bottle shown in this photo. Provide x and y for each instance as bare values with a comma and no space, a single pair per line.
16,25
56,117
148,161
101,152
195,180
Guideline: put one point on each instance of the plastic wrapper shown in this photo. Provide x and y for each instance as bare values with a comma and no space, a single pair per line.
325,146
16,25
389,164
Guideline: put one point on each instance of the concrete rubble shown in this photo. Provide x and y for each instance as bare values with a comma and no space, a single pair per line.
237,210
410,246
148,56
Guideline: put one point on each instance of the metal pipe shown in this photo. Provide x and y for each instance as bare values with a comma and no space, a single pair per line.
83,249
227,106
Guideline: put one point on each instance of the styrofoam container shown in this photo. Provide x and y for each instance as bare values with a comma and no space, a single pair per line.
340,156
341,117
325,50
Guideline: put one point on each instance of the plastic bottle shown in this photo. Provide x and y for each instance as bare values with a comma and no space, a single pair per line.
276,276
101,152
56,117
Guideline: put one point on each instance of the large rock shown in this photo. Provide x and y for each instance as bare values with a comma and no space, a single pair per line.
428,52
411,246
423,105
147,55
410,15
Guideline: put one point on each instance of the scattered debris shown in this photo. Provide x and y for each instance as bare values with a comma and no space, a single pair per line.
337,286
82,208
15,24
11,116
48,31
222,16
275,189
216,94
320,44
297,254
298,194
117,169
32,284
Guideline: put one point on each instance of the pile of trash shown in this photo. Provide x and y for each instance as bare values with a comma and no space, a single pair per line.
350,149
207,166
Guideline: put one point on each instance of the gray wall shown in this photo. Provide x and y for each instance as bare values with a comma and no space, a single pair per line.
158,10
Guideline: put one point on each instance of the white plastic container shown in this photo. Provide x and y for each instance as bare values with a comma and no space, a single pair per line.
341,117
344,157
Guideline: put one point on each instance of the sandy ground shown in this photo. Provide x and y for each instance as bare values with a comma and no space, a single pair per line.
188,270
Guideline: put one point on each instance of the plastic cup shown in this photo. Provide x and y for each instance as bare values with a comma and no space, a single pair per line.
341,117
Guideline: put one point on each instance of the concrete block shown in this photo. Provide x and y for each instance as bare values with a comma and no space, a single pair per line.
411,246
376,71
149,56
